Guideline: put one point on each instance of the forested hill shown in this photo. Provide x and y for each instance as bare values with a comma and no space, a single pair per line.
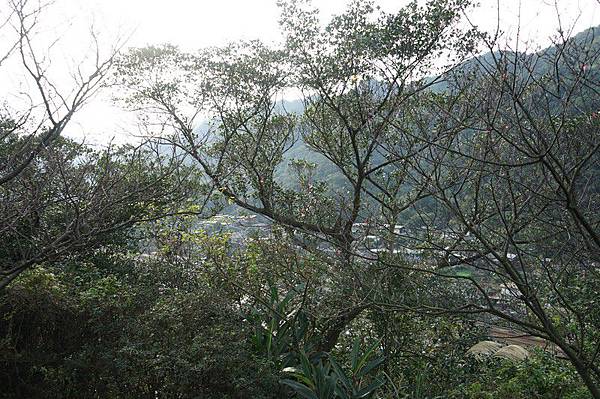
587,41
536,63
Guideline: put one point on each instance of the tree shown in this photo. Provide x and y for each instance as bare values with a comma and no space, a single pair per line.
518,181
489,165
357,75
118,323
59,198
71,200
52,105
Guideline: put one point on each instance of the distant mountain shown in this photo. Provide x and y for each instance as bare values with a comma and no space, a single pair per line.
587,40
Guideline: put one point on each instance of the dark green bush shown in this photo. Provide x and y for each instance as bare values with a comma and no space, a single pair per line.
125,329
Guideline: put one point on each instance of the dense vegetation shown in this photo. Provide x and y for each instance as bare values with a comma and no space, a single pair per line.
422,223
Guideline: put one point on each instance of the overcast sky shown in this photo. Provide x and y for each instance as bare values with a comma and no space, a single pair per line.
197,23
192,24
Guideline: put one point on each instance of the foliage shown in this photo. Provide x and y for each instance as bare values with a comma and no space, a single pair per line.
540,376
115,326
72,199
465,199
281,333
322,377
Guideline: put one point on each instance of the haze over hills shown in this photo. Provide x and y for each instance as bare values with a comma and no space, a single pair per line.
326,172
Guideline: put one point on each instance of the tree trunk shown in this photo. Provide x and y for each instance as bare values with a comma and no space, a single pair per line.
337,326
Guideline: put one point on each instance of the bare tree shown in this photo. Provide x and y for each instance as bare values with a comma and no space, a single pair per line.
52,103
58,198
515,183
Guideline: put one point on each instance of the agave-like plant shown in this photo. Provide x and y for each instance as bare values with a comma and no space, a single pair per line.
312,379
324,377
280,332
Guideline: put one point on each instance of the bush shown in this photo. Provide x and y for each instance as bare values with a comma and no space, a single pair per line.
117,327
541,376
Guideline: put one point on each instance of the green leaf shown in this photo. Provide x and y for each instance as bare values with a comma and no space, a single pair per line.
354,354
370,366
363,359
341,393
307,367
300,389
367,391
341,375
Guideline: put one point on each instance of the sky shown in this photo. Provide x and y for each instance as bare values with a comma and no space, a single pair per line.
197,23
193,24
